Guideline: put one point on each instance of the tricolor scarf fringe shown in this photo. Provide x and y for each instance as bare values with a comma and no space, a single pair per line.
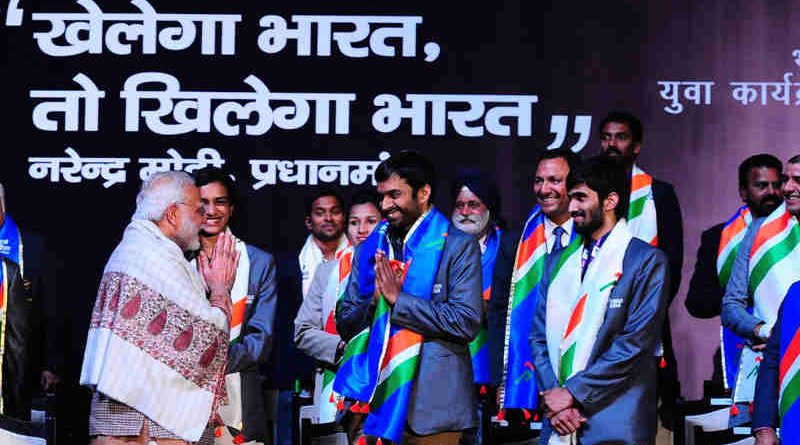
730,239
773,268
576,309
518,380
479,348
384,374
152,315
788,375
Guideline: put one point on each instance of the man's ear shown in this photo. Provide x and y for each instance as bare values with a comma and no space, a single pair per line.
743,194
307,222
637,147
171,214
424,194
611,202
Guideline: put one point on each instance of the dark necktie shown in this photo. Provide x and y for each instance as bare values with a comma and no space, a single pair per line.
557,233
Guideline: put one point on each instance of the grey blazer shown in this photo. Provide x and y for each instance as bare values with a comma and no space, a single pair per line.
254,349
443,397
617,390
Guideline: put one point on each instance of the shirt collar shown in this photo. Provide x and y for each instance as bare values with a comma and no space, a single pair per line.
549,226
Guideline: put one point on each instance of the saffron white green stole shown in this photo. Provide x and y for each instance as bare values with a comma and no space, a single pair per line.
642,221
773,268
576,308
789,375
383,369
730,239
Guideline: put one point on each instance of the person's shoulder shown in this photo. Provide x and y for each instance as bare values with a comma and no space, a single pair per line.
511,236
713,232
662,183
258,253
662,188
642,251
457,236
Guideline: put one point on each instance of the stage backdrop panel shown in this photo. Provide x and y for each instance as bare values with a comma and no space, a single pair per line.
289,96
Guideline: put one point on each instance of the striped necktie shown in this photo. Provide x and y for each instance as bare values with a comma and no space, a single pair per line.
557,233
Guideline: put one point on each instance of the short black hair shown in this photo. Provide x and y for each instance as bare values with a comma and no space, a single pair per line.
758,161
572,159
603,175
410,165
364,196
627,118
208,175
794,160
322,192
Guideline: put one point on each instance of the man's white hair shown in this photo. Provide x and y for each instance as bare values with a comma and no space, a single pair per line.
158,192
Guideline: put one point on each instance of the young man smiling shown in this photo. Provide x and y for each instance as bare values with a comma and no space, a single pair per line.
598,319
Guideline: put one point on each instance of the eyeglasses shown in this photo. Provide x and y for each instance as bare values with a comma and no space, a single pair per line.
199,210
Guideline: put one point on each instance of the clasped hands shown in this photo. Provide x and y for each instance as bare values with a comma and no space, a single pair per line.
219,272
559,407
388,282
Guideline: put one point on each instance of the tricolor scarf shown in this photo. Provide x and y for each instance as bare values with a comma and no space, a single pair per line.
4,279
773,268
11,242
788,376
384,374
642,220
478,348
231,413
730,239
518,379
576,308
329,401
152,316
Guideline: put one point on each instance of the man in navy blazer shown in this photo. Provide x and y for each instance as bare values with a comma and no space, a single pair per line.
442,401
613,399
248,354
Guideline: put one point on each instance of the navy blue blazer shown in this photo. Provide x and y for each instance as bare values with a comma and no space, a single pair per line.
443,397
617,390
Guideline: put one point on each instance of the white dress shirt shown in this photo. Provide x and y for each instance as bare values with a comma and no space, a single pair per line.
550,238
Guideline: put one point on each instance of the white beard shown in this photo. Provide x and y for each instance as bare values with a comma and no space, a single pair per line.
472,228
